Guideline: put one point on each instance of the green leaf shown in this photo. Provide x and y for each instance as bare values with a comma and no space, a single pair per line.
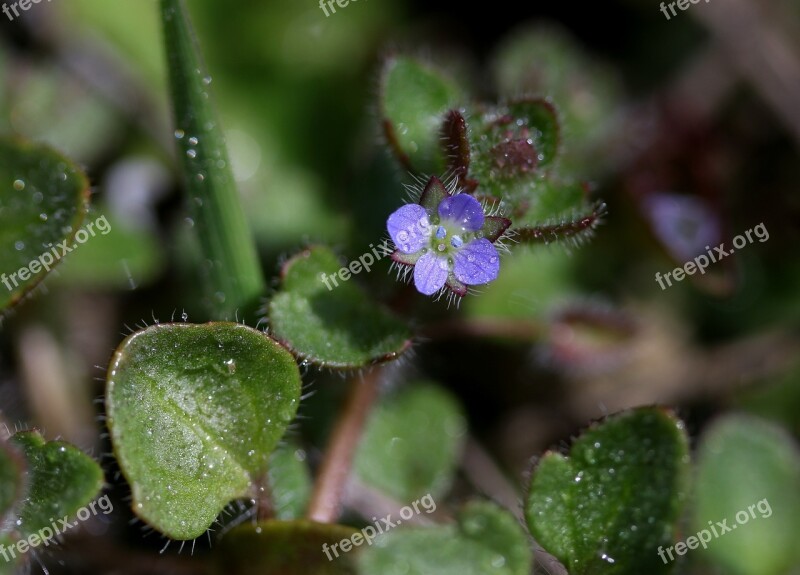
60,479
486,541
414,100
748,476
12,467
285,548
194,413
458,152
290,482
412,443
234,278
575,227
608,507
338,327
43,200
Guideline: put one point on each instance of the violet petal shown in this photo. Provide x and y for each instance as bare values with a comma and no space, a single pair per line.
464,210
430,273
409,228
477,262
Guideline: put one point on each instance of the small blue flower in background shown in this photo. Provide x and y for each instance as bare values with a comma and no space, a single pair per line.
447,239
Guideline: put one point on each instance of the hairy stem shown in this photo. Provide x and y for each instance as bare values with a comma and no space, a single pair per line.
329,490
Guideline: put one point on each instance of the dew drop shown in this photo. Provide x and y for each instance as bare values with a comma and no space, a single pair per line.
193,141
19,185
231,365
607,558
179,134
191,153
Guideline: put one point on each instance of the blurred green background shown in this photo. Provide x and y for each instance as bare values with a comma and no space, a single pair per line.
699,105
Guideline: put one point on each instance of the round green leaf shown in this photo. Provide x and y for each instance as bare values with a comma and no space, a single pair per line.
338,327
60,480
609,506
43,200
486,541
285,548
195,412
748,480
412,443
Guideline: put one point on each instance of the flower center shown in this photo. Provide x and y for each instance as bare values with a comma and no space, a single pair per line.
448,238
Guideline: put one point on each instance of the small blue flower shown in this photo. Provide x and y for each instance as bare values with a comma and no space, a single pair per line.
448,240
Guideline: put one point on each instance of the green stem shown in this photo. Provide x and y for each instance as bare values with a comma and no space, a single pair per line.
234,278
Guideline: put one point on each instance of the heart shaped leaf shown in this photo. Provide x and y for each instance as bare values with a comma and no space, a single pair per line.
43,200
486,541
60,480
195,412
748,489
330,321
609,506
412,443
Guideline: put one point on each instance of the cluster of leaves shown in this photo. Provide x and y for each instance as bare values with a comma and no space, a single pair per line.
505,155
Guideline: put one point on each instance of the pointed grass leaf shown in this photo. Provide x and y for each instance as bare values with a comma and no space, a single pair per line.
329,321
195,412
234,279
608,506
43,201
